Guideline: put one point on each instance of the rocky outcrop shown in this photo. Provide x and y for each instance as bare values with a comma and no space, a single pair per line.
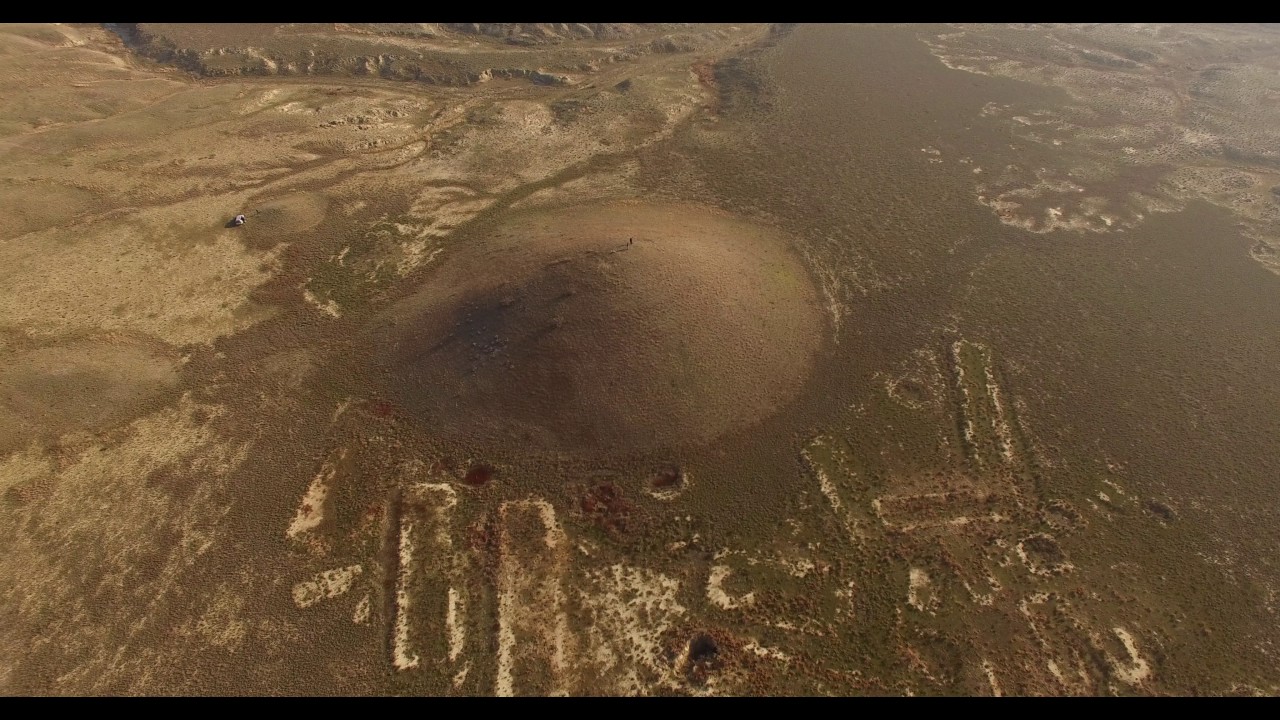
550,33
292,51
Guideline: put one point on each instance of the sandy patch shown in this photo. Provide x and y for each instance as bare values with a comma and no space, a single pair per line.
1042,555
311,511
363,611
1135,670
426,567
454,626
1004,435
1064,662
919,594
25,466
963,386
630,610
222,624
72,553
328,307
989,670
402,655
325,585
533,632
766,652
721,599
829,491
123,275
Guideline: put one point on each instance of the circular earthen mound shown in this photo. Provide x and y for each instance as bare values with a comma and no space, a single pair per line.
604,328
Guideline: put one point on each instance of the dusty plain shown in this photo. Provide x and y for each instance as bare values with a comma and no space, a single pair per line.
629,359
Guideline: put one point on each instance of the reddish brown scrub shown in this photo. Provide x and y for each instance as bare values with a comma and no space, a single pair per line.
668,478
606,507
478,475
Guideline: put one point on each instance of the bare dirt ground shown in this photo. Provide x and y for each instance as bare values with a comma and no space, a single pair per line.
631,359
650,294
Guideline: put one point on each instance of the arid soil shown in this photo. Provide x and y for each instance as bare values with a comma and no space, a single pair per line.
617,359
605,328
